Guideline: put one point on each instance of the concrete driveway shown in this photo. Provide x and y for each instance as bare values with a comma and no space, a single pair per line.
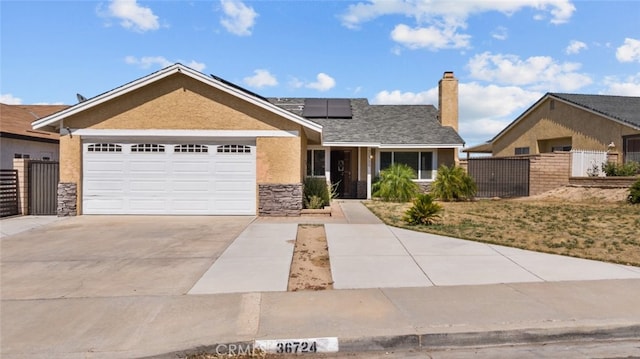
114,256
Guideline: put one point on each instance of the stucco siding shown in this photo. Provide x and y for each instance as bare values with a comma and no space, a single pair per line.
178,102
446,156
278,160
541,127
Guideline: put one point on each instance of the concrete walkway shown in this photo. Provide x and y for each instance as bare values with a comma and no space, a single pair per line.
440,298
364,253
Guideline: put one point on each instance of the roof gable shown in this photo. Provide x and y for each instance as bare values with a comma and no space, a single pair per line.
164,73
621,109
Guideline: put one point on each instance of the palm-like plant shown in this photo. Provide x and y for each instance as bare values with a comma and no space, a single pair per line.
396,183
423,212
453,184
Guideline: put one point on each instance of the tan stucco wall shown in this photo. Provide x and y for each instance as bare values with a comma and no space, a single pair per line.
447,157
179,102
278,160
587,130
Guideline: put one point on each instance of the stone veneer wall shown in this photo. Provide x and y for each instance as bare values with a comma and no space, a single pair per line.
67,195
279,200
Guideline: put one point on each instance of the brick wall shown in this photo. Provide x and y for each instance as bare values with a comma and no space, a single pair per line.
22,166
603,182
548,171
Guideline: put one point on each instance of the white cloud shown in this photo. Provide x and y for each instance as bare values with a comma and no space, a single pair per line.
536,72
630,51
438,22
146,62
133,16
9,99
629,86
431,37
575,47
500,33
323,82
261,78
239,18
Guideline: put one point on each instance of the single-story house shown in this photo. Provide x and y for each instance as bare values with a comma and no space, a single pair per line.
180,142
19,140
562,122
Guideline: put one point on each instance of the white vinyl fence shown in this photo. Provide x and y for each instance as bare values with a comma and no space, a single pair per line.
587,163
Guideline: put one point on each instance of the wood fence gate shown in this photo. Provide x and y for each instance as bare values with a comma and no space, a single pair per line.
43,187
500,177
9,205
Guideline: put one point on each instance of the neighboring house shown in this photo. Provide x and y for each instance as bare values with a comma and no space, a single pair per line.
180,142
19,140
562,122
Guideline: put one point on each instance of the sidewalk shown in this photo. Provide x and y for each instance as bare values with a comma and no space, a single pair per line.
14,225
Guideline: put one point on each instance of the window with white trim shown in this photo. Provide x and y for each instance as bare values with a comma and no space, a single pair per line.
421,162
104,147
148,148
234,149
191,148
315,163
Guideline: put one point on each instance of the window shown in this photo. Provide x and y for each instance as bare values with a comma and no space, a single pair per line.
104,147
21,155
234,149
421,162
632,149
315,163
560,148
191,149
522,150
45,158
147,147
552,104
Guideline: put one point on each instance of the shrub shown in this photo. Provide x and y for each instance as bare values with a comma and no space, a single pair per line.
396,184
316,187
634,193
453,184
628,169
424,211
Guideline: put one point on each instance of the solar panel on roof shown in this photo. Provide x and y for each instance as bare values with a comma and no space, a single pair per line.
339,108
327,108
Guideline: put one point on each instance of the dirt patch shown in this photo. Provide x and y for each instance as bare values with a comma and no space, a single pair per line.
310,268
582,194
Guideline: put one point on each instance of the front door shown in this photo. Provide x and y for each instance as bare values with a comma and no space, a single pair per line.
341,173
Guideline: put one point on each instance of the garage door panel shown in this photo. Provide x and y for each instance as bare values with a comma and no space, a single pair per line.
108,186
147,182
191,186
147,185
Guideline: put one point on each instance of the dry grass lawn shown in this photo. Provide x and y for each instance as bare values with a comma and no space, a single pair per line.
567,222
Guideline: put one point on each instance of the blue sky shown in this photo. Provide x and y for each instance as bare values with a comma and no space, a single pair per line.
506,54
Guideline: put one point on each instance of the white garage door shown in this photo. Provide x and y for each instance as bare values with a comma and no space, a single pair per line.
164,178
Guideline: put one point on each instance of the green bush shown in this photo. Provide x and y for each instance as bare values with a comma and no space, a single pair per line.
424,211
317,193
453,184
634,193
396,184
623,170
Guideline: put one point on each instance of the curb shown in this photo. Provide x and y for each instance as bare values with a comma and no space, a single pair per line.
448,340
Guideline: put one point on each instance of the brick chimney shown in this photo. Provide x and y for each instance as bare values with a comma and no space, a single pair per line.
448,100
